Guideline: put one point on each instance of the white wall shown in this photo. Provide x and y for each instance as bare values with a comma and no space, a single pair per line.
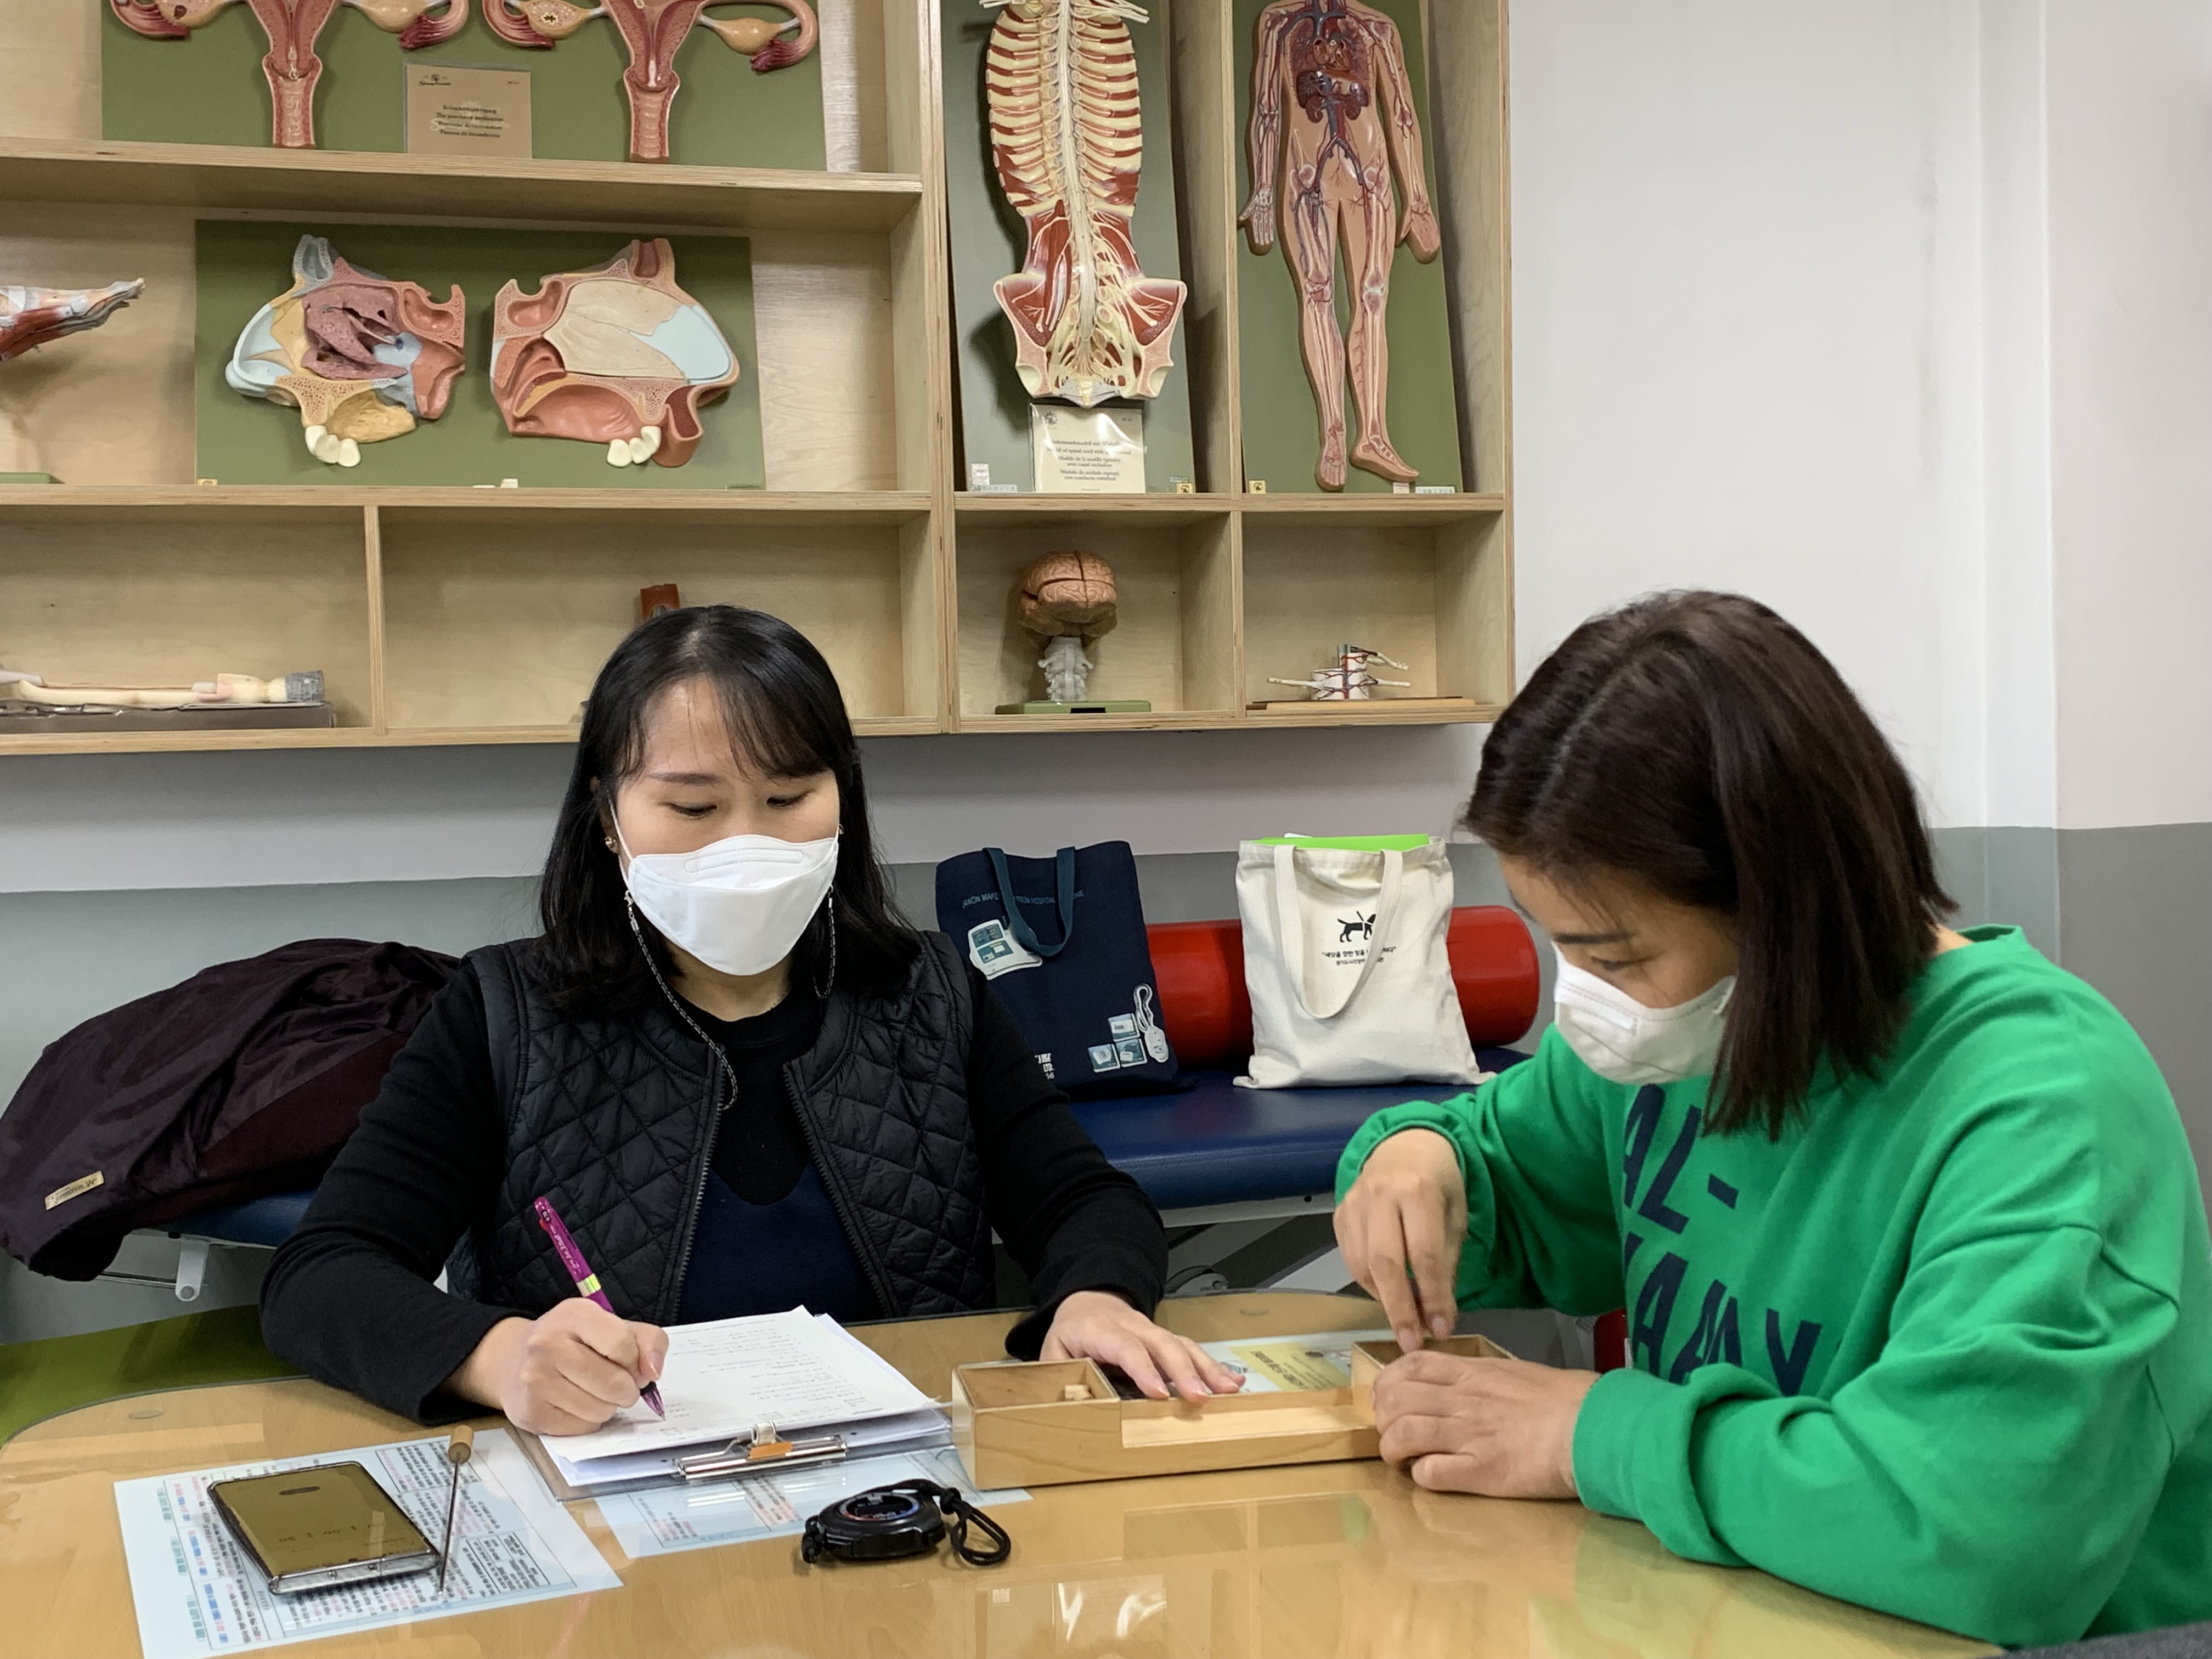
1746,303
2130,123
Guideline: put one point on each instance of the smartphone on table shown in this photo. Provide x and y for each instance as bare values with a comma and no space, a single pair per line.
316,1528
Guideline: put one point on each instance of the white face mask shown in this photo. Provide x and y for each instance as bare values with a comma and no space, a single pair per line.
1618,1038
738,904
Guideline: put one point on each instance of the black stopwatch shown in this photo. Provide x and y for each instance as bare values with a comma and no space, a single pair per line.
887,1522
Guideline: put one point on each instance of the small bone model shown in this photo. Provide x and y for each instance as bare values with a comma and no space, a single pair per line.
1340,67
30,317
1070,600
617,355
224,690
360,355
1060,84
293,28
1351,679
653,30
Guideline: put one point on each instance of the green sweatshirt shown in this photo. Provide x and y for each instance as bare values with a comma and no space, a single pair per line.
1945,1349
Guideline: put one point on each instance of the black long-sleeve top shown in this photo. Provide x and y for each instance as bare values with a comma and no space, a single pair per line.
350,1298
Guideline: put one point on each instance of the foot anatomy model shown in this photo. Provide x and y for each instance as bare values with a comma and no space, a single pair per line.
652,30
293,28
1332,115
1060,81
32,316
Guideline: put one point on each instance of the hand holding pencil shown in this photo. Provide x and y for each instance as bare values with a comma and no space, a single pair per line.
588,1285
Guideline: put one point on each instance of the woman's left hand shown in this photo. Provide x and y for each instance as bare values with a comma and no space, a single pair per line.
1099,1325
1503,1428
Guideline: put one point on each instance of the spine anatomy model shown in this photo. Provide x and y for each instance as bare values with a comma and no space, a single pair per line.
1061,85
360,355
617,355
1332,114
31,316
653,30
293,27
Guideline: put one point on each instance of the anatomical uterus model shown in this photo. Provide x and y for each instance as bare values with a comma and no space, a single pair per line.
293,28
653,30
1059,80
617,355
1332,114
32,316
360,355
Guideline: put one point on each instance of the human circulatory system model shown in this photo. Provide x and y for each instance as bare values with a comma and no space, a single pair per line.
1332,114
617,355
293,27
1060,81
361,356
652,30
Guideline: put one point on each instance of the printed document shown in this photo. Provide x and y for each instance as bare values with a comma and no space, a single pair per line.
725,1377
198,1594
1278,1364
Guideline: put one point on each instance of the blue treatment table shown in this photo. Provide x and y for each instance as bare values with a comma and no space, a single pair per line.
1219,1143
1214,1146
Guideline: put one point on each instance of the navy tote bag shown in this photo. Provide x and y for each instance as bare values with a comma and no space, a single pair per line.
1062,941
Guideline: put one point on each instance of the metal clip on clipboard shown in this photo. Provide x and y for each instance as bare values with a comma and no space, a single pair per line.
769,1449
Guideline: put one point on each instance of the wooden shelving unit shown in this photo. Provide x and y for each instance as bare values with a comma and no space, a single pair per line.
477,616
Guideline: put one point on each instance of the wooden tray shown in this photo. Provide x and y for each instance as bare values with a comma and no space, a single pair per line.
1017,1426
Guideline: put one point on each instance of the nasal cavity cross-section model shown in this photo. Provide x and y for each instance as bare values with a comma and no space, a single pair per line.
617,355
361,356
1332,113
1059,80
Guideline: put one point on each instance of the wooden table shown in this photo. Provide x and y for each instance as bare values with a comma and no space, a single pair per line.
1331,1560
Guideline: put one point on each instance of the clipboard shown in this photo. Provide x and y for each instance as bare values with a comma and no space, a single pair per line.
766,1451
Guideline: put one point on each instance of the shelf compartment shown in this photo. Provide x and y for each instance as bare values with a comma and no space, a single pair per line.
424,188
124,597
495,624
117,405
1435,596
1175,645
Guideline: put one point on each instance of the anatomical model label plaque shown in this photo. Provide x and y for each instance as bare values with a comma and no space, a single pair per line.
1088,452
467,111
243,440
1347,347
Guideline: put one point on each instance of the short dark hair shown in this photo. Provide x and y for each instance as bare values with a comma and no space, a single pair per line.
787,718
1698,743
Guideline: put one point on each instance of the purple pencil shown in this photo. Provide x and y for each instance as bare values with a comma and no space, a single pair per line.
587,1282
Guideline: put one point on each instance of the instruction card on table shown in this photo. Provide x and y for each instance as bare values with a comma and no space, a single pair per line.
197,1594
714,1513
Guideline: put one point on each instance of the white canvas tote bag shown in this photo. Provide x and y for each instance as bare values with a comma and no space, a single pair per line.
1345,958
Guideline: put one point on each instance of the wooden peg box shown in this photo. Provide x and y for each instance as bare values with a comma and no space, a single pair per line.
1017,1425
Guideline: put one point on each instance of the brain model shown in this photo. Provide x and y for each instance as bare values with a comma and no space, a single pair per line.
1067,594
617,355
361,356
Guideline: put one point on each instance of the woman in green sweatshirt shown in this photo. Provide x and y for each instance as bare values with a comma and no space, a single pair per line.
1918,1287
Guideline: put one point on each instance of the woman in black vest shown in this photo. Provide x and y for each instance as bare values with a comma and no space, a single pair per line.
745,1083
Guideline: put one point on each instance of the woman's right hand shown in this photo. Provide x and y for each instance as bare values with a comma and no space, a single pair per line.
565,1373
1400,1228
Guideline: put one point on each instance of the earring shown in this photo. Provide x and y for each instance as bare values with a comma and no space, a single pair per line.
610,840
828,981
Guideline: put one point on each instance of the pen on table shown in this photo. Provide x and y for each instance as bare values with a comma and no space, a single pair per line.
460,1448
587,1283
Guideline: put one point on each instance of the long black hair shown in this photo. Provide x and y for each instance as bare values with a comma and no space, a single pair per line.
785,718
1698,745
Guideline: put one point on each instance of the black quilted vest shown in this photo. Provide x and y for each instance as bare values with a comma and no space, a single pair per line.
613,1119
